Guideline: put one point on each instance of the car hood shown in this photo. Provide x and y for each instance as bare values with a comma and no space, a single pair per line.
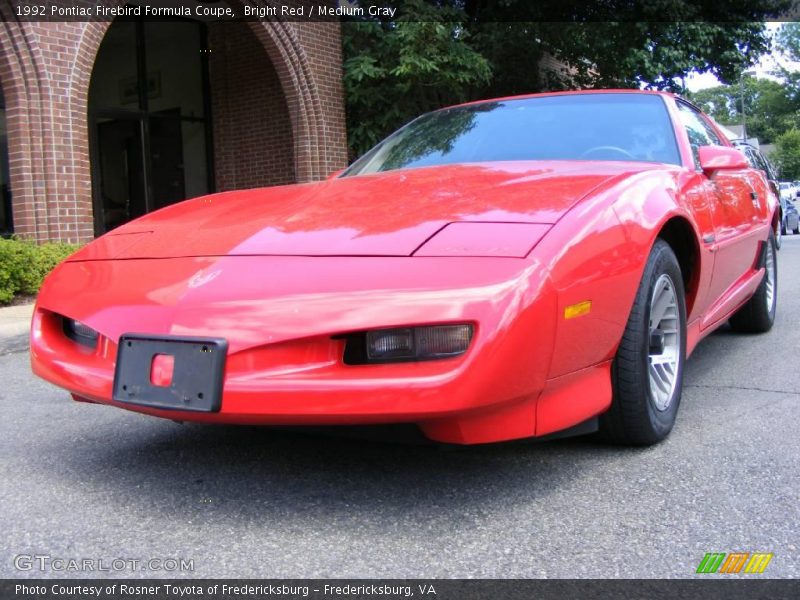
383,214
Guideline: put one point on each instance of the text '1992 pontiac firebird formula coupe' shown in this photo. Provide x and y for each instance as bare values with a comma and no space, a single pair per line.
503,269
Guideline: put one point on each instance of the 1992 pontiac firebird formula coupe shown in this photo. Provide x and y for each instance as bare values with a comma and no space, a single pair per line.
496,270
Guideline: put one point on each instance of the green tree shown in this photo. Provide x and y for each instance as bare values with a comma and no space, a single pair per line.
393,71
722,102
787,40
623,43
438,52
787,154
657,55
787,48
770,106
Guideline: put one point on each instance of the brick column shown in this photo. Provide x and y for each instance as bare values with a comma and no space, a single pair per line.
45,70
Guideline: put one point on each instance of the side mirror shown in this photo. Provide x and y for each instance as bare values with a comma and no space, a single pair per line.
714,158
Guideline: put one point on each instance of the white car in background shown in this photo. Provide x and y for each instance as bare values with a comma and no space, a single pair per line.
790,221
788,191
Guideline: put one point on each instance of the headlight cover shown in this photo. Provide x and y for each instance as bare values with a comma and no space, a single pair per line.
403,344
480,239
80,333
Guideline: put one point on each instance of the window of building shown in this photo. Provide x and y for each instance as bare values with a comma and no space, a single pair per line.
149,119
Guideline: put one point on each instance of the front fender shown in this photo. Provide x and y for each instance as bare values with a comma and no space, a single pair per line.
598,251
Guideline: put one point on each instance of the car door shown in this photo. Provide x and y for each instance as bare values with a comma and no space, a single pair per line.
735,202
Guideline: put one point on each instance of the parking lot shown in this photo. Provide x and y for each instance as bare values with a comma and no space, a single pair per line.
91,482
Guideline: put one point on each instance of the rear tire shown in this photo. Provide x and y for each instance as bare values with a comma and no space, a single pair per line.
758,314
647,372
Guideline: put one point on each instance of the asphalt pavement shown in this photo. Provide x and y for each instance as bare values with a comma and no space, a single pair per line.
90,482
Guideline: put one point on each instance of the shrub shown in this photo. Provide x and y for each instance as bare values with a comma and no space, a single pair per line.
24,265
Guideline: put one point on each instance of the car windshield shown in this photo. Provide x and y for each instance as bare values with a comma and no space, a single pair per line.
621,126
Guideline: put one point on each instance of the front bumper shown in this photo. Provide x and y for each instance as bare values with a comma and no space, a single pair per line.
281,317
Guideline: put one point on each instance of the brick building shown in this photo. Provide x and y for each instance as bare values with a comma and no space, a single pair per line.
104,121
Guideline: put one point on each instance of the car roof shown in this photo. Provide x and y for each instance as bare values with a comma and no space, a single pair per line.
568,93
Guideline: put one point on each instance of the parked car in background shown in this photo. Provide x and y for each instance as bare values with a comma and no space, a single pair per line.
791,219
788,190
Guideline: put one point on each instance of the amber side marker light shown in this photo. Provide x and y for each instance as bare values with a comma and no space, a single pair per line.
578,310
407,344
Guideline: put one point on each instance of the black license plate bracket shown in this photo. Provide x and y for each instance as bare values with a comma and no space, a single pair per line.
197,373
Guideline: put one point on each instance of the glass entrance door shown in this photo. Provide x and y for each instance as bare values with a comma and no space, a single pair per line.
149,119
166,149
119,172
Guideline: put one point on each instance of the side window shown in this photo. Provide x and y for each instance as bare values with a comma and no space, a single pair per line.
715,139
699,131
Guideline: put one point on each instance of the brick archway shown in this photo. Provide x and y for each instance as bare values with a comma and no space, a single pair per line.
46,68
302,97
33,147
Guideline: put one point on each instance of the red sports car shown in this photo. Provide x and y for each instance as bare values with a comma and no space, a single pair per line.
502,269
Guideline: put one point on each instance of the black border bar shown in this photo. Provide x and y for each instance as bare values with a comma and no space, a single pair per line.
489,11
712,587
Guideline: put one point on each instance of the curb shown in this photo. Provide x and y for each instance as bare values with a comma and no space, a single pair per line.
15,320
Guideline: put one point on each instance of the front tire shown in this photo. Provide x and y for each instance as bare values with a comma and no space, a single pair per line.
758,314
647,372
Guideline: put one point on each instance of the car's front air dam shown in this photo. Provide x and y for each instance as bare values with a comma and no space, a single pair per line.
281,316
